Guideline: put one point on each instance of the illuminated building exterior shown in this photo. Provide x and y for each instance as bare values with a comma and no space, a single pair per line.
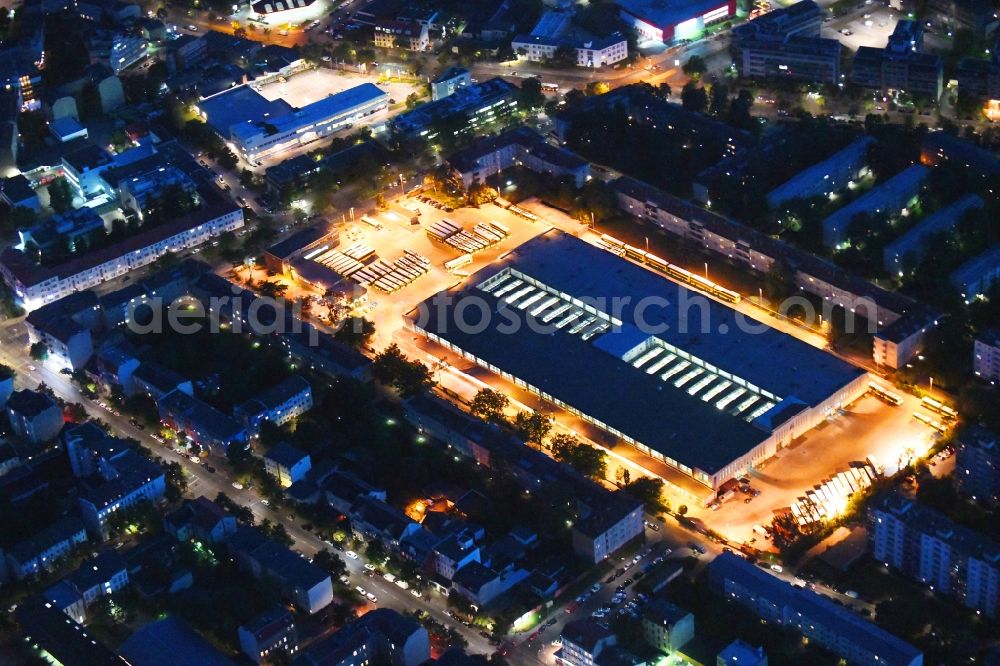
724,400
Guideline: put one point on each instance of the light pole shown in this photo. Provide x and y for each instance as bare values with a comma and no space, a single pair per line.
706,270
932,385
647,243
760,296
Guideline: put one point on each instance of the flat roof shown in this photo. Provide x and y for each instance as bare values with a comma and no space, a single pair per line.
614,392
239,105
667,13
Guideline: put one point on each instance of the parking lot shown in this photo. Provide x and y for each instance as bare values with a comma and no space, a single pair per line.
869,25
315,84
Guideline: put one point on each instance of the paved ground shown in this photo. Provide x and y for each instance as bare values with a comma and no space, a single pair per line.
315,84
869,428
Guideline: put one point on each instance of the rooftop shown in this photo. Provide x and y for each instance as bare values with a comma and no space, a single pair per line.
29,404
667,13
817,608
59,531
216,425
585,634
87,157
285,455
297,242
450,73
776,368
155,375
66,641
169,642
976,269
933,523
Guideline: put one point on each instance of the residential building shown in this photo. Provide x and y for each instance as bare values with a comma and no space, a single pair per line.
300,581
279,404
665,626
941,147
927,546
609,526
58,639
482,104
18,191
381,636
739,653
126,50
899,323
900,66
590,52
813,59
170,641
271,632
259,128
411,36
287,464
448,81
985,356
827,176
68,344
35,285
82,169
100,576
820,621
91,450
155,381
6,385
977,465
979,16
978,78
802,18
343,489
200,421
974,278
39,553
908,250
481,585
34,416
200,519
142,192
453,553
70,232
887,198
128,479
114,366
374,519
66,598
490,156
583,642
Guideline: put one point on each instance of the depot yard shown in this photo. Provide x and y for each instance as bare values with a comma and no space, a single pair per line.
313,85
868,428
872,31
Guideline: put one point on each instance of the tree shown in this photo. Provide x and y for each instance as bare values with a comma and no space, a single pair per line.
329,562
584,458
60,195
597,88
739,111
481,193
380,201
532,427
392,368
412,100
695,67
531,96
693,97
19,217
489,405
563,56
272,289
647,490
39,351
664,90
355,331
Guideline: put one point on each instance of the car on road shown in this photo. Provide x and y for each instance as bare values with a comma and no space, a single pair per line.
777,568
369,566
416,593
211,470
351,554
696,548
595,588
237,485
195,459
372,598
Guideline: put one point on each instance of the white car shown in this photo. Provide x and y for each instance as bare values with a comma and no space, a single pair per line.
369,567
196,460
351,554
362,591
237,485
416,593
372,598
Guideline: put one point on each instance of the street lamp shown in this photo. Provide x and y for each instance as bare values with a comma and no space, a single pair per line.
706,270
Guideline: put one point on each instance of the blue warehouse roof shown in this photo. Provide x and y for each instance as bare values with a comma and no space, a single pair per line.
593,377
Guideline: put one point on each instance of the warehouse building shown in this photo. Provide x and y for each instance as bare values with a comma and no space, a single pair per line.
670,21
725,399
260,128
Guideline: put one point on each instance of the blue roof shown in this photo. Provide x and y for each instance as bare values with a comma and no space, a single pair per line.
610,389
168,642
845,623
668,13
239,105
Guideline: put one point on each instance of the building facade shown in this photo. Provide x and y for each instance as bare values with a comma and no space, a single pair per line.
986,356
